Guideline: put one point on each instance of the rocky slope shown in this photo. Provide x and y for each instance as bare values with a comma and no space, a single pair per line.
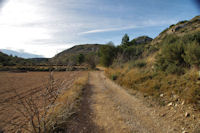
179,29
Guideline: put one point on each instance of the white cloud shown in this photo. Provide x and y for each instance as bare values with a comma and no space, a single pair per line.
147,23
17,29
109,29
47,26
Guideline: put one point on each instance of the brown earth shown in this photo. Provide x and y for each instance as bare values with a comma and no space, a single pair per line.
108,108
29,84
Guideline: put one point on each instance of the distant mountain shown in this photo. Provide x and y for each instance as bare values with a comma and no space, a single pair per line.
6,60
20,54
84,48
142,40
70,54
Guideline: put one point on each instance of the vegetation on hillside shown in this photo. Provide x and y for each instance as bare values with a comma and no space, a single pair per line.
127,51
77,55
179,53
6,60
166,68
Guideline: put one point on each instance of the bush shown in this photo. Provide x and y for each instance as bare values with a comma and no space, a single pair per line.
138,63
171,58
179,53
170,39
151,49
192,54
80,58
91,60
114,77
131,52
107,54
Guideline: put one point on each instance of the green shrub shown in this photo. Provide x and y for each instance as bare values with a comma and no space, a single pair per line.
179,53
137,63
107,54
170,39
152,49
171,58
192,54
171,26
114,77
80,58
182,22
91,60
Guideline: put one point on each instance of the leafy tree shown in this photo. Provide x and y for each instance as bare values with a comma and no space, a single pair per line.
91,60
125,40
107,54
80,58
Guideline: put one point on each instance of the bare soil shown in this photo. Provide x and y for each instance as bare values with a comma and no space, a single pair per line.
82,121
28,84
105,107
108,108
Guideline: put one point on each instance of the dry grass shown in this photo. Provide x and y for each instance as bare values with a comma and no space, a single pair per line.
173,87
116,111
66,105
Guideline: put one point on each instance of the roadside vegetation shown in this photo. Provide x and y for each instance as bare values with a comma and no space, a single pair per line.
66,106
167,71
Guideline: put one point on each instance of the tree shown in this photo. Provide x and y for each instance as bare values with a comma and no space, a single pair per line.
125,40
91,60
107,54
80,58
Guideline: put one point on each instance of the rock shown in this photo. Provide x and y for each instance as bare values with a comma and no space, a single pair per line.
163,115
193,116
198,82
176,97
187,114
161,95
183,103
170,104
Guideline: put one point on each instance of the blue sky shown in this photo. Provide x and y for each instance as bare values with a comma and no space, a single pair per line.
47,27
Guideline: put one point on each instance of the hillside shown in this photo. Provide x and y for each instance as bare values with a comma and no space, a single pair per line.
179,29
142,40
20,54
156,89
6,60
70,56
164,71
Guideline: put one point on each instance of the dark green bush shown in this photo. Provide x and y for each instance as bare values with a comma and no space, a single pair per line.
137,63
114,77
192,54
179,53
151,49
91,60
80,58
107,54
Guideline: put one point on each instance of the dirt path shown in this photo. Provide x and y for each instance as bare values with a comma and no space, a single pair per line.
108,108
82,121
